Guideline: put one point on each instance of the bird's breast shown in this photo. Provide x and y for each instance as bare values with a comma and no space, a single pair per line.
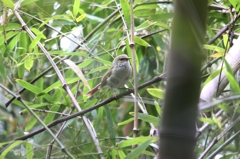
120,75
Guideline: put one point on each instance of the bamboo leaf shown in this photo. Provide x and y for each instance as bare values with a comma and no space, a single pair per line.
139,150
156,92
126,11
140,41
8,3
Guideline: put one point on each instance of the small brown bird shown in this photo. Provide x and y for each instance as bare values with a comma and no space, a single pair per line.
116,76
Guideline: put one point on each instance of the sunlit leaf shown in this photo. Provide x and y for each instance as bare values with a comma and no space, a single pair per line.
140,41
29,150
156,92
8,3
136,141
28,62
126,11
126,121
9,148
138,150
81,17
76,7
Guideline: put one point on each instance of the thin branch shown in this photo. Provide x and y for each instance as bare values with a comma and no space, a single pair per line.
135,77
225,28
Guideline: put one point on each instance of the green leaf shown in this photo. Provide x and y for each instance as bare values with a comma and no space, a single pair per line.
207,120
226,41
162,17
2,68
235,4
50,116
59,84
23,45
34,43
9,35
233,82
98,121
231,78
146,7
28,62
103,61
144,25
126,121
33,89
138,150
66,53
140,41
215,48
13,43
85,63
11,27
121,154
144,12
8,3
9,148
147,118
163,25
81,17
216,120
29,150
34,106
111,128
211,77
113,153
100,68
126,11
156,92
158,108
31,123
29,86
136,141
37,32
76,7
28,2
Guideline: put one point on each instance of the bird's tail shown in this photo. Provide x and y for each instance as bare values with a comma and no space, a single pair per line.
94,90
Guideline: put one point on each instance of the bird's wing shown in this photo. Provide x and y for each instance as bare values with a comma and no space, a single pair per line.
105,76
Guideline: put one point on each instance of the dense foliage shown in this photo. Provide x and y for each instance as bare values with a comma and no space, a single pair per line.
89,34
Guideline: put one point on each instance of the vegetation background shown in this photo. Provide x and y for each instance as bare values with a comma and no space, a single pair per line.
82,38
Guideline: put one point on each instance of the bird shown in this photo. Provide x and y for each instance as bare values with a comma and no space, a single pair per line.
117,75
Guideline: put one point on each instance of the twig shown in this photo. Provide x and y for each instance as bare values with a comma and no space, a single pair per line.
135,77
223,30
